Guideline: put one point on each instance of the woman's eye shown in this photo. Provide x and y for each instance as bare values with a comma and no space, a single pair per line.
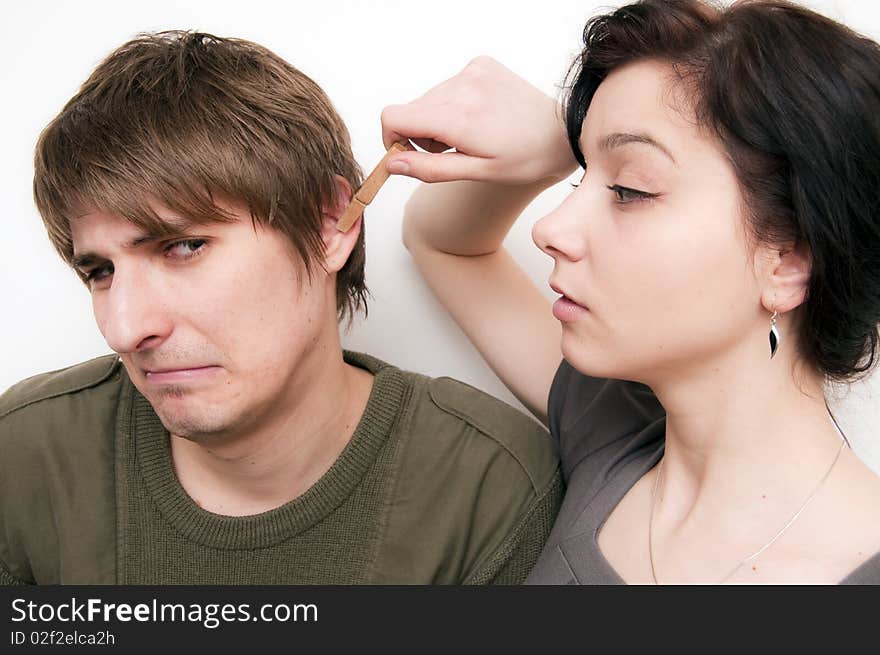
186,248
625,195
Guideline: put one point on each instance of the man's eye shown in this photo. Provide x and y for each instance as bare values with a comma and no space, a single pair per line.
100,272
185,249
624,195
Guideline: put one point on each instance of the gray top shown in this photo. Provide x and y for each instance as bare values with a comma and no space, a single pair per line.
609,433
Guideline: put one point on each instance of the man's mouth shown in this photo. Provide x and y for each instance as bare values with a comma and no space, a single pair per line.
179,374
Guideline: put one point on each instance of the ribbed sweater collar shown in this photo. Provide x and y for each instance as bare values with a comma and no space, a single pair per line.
151,442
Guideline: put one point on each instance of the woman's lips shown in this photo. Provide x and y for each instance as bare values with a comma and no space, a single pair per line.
566,310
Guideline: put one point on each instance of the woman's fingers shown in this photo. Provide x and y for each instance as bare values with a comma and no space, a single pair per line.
426,125
500,127
438,167
416,122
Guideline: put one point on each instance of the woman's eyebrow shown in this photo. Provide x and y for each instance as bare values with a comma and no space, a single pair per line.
619,139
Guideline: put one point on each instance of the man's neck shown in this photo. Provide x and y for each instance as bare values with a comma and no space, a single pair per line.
287,453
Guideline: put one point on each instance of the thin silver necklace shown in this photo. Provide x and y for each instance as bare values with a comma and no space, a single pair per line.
762,548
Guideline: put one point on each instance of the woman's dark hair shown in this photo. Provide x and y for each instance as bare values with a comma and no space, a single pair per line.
794,98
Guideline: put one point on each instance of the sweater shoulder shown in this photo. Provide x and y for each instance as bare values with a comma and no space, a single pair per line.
65,381
472,474
56,473
65,415
502,427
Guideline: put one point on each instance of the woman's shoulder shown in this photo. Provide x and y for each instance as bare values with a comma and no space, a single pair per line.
838,537
856,523
588,416
575,397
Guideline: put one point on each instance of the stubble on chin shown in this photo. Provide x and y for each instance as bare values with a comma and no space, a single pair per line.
203,427
171,391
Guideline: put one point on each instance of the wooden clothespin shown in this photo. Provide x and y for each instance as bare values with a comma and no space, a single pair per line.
368,191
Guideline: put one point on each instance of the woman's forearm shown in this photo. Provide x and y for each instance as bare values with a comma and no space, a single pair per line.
464,217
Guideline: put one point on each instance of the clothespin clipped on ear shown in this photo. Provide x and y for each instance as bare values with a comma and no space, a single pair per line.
368,191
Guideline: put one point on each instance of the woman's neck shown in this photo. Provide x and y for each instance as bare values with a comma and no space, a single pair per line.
740,429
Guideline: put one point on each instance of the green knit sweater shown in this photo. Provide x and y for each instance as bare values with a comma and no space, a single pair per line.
439,484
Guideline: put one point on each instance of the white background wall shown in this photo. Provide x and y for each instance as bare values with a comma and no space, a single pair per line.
365,55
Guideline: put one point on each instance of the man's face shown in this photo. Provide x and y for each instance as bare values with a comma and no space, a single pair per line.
217,326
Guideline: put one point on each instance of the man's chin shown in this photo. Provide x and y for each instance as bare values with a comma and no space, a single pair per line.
199,424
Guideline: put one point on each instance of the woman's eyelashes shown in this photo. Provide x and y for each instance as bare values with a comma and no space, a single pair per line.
625,195
575,185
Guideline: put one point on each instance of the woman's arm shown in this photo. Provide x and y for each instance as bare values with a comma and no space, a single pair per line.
510,145
483,288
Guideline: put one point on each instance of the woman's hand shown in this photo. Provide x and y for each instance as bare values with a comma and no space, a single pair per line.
502,128
510,144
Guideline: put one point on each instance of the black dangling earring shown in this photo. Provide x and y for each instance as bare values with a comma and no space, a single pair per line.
774,335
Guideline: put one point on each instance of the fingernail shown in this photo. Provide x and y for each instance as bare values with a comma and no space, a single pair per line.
398,167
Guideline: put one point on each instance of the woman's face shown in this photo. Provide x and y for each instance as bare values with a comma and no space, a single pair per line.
651,254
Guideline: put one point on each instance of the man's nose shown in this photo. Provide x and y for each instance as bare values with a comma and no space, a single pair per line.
134,314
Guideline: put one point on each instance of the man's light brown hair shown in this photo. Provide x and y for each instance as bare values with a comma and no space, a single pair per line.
178,118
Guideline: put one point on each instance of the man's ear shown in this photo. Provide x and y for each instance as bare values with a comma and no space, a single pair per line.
785,273
338,245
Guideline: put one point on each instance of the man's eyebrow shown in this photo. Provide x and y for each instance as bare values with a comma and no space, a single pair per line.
84,260
618,139
175,230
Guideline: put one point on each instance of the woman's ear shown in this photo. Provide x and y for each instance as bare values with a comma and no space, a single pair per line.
338,245
785,276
